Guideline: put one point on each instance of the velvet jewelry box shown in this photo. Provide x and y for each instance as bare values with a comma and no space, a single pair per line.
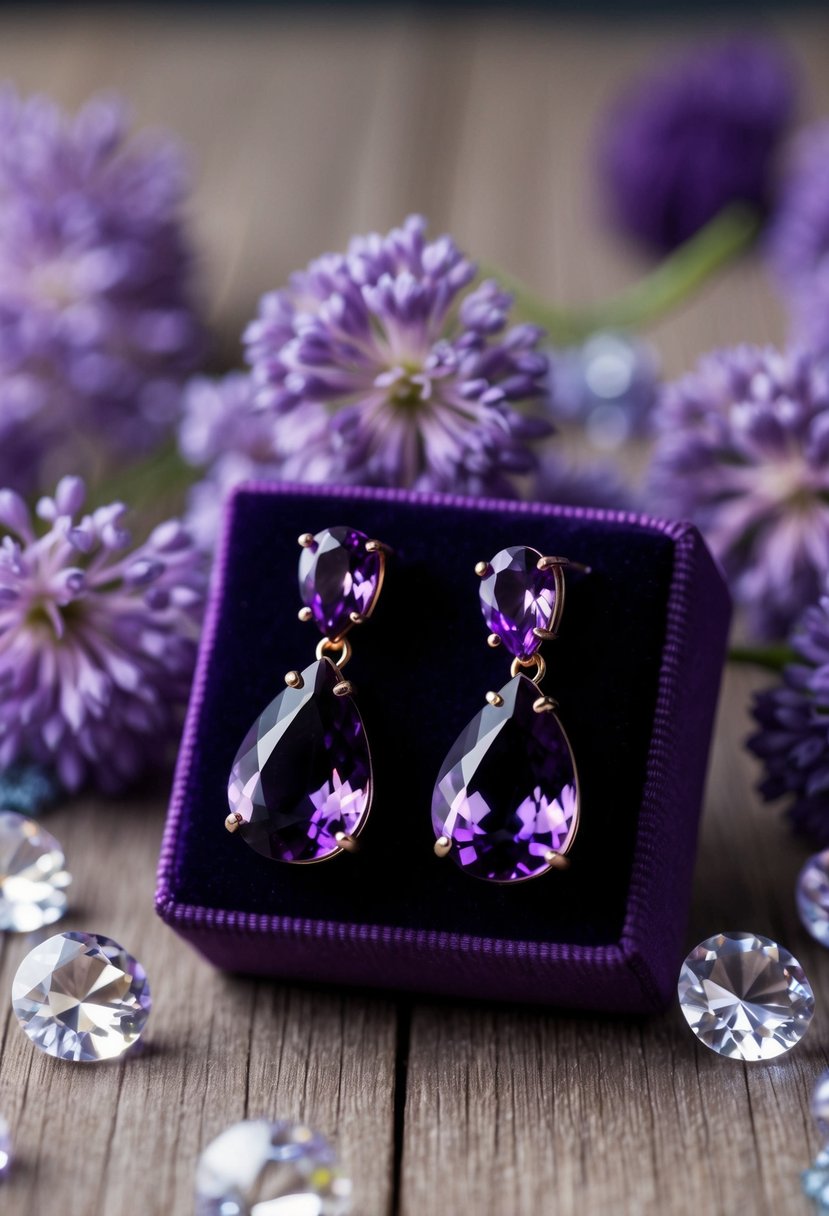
636,669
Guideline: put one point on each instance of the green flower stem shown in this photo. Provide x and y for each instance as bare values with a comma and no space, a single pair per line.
676,278
159,480
772,658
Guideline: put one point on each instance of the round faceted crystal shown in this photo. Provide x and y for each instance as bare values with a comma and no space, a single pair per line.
507,794
745,997
813,896
516,598
338,576
259,1168
33,880
79,996
303,772
5,1148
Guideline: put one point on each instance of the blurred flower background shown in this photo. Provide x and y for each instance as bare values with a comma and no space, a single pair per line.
399,358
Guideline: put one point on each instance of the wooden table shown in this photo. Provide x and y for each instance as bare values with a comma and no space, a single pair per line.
304,129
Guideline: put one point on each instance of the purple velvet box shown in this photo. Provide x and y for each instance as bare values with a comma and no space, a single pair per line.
636,671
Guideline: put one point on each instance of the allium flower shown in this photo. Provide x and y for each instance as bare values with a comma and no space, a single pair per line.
97,640
570,484
793,717
224,432
696,135
743,451
798,238
97,328
420,372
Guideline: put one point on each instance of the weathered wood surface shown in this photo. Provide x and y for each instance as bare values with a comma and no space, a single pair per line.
305,129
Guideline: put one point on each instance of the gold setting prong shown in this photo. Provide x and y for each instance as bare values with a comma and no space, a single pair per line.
305,614
547,563
493,640
346,842
443,845
294,680
344,689
306,540
233,821
377,546
356,618
495,698
544,705
546,635
557,861
482,569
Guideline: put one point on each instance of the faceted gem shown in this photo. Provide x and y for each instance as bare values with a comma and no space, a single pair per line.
33,879
516,598
260,1168
745,997
303,772
812,895
820,1104
5,1148
338,576
79,996
507,793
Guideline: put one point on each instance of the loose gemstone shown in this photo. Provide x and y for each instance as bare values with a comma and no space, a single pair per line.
820,1104
260,1168
5,1148
80,996
303,772
516,598
33,879
338,576
745,997
507,793
812,895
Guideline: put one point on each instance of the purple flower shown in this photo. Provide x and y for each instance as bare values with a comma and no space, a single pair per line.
97,326
694,136
798,239
743,451
97,639
420,371
793,719
570,484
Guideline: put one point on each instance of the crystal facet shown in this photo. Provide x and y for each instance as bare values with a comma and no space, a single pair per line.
820,1104
303,772
79,996
507,793
516,598
259,1168
338,576
5,1148
745,997
33,880
813,896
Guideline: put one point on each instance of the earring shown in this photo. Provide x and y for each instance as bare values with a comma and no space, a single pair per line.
506,802
301,785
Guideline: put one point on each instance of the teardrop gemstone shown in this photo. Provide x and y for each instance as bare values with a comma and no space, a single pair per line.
303,772
507,793
516,598
338,575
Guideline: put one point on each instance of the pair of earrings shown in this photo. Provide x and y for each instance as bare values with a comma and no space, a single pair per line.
505,805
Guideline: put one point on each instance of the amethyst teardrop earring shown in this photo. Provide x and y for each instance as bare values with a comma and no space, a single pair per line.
301,785
505,805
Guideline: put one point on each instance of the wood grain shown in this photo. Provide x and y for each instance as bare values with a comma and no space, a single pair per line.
304,128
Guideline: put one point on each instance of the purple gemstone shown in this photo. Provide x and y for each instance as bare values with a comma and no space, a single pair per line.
337,576
516,598
507,793
303,772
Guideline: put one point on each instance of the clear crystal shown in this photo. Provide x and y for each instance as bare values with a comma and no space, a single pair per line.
813,896
79,996
33,879
820,1104
260,1168
815,1181
745,997
5,1148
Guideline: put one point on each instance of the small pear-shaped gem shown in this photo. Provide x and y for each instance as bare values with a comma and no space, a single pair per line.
517,598
338,576
303,772
507,793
